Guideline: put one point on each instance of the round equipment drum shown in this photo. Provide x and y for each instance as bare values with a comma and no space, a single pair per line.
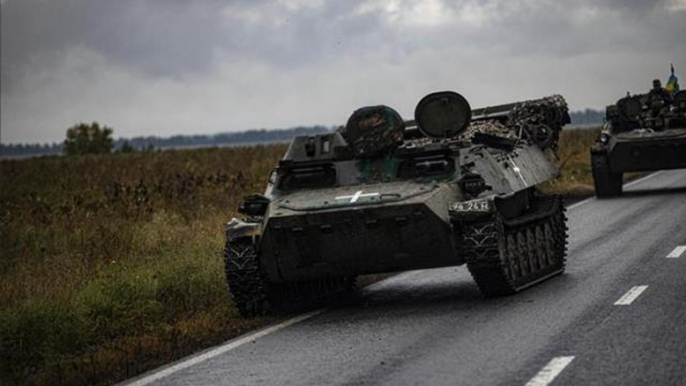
443,114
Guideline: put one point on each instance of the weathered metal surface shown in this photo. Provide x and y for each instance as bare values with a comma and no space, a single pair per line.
491,127
357,201
375,130
442,114
238,229
644,150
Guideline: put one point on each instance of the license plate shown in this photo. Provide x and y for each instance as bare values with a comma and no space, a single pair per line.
472,206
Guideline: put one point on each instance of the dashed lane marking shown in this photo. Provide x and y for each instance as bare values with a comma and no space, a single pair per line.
550,371
678,251
631,295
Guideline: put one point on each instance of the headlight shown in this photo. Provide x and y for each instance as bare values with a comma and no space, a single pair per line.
472,184
604,138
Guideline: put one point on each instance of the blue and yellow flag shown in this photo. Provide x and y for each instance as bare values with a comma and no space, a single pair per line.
672,83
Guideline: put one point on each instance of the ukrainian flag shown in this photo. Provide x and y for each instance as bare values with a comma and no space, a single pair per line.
672,83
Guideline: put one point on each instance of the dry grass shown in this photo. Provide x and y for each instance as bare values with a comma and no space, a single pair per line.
573,159
112,264
576,181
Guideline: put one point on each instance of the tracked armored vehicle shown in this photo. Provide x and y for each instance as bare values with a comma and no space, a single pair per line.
643,132
453,186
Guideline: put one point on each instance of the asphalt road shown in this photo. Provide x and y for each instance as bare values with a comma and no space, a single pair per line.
616,317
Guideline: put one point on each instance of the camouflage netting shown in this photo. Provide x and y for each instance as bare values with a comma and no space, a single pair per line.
419,142
372,131
551,111
491,127
541,119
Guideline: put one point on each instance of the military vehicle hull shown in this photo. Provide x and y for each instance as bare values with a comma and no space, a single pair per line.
386,226
382,238
329,216
638,144
646,151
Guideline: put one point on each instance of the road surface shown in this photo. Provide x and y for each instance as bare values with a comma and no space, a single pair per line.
616,317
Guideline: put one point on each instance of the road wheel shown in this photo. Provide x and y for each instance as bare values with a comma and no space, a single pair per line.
507,256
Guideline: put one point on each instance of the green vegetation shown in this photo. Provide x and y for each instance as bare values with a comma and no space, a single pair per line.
111,264
573,159
88,139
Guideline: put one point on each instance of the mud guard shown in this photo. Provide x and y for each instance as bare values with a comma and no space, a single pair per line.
238,229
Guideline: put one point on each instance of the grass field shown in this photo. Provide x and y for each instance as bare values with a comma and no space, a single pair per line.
573,159
112,265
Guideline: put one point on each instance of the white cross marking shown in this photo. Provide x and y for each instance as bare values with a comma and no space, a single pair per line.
356,196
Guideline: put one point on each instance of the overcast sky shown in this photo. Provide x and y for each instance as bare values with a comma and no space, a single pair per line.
194,67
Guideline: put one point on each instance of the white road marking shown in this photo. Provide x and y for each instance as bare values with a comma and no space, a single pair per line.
356,196
631,295
550,371
219,350
677,252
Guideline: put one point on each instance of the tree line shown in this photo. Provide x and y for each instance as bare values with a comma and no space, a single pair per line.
94,138
587,117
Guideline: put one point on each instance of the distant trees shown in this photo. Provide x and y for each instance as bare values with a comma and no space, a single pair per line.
88,139
29,149
126,147
221,139
149,143
587,117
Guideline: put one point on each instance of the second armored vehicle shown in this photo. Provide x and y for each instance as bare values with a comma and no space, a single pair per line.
453,186
642,132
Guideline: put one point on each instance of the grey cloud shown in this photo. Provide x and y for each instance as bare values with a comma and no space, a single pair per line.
161,38
173,38
180,66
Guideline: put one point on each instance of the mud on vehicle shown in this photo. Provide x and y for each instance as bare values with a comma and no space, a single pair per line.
453,186
643,132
